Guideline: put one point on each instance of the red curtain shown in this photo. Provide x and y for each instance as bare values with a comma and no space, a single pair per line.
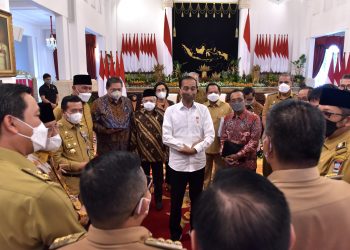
90,55
55,61
321,44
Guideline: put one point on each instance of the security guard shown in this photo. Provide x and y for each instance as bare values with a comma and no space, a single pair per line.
76,149
82,87
335,157
284,93
115,192
33,210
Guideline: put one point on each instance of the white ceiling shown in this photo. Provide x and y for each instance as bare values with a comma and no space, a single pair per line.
29,12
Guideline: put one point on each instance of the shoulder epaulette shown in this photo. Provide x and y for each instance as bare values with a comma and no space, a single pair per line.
37,173
341,145
164,244
66,240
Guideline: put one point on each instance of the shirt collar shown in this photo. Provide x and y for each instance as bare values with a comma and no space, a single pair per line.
217,104
16,158
332,143
182,106
118,236
241,116
294,175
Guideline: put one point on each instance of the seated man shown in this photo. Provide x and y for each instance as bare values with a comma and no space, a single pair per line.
114,190
319,206
76,149
241,210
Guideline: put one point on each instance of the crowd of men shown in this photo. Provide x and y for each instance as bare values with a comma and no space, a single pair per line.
70,168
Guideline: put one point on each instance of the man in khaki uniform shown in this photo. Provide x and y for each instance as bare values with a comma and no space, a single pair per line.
250,102
335,156
218,110
82,87
76,149
115,192
284,93
33,209
293,140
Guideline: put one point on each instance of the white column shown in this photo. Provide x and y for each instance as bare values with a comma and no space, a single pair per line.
63,51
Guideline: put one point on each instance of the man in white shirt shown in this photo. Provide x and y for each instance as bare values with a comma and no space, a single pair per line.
188,131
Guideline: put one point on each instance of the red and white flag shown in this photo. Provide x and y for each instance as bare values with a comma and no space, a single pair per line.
167,49
331,71
111,67
101,77
122,75
245,54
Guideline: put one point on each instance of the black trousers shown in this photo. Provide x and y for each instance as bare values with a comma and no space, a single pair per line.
157,174
167,173
178,183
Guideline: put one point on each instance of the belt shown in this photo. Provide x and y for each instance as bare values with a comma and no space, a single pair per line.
71,174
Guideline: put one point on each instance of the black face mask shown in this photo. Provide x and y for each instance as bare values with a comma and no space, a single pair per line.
331,127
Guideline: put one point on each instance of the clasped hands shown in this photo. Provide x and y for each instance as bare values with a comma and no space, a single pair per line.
231,159
189,150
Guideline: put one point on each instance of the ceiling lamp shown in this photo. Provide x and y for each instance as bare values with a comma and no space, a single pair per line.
51,41
278,1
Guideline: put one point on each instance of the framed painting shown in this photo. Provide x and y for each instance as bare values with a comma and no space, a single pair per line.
7,51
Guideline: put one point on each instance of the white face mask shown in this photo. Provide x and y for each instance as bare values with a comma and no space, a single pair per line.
161,95
149,106
116,95
75,118
213,97
85,97
53,143
283,88
39,136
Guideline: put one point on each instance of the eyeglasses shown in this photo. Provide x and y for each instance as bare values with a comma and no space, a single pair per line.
344,87
328,114
280,82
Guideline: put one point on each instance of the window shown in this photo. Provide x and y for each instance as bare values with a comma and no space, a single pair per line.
322,76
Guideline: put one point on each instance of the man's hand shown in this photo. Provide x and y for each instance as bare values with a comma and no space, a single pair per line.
187,150
53,105
231,159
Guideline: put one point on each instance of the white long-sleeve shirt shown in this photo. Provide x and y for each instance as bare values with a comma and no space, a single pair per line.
187,126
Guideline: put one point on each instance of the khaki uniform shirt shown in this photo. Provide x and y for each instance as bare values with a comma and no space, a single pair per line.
86,120
75,149
256,108
33,210
319,208
217,111
334,160
271,100
132,238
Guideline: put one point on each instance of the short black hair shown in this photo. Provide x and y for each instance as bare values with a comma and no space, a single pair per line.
242,210
46,75
212,84
113,80
309,89
233,91
297,131
69,98
111,186
187,77
11,100
346,76
164,84
248,90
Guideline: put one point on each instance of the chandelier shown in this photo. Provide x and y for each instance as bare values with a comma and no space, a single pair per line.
51,41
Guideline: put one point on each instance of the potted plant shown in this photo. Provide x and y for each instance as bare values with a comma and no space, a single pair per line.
299,66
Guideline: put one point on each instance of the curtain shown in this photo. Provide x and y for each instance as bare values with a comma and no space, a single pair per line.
90,55
55,61
321,45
